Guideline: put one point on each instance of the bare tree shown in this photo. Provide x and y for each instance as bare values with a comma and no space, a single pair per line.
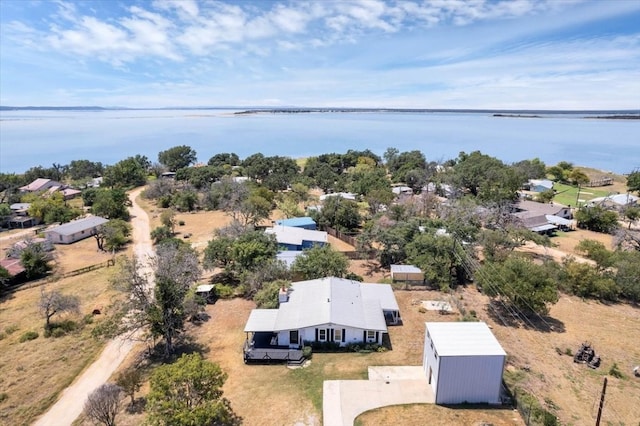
103,404
53,302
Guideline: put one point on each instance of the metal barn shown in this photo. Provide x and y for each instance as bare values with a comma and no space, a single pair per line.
463,362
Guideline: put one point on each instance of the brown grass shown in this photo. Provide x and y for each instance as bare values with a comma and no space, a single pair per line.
33,373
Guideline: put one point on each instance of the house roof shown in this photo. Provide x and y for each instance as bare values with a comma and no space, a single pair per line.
295,236
405,269
557,220
40,184
463,339
532,208
620,199
13,266
78,225
296,221
329,300
204,288
20,206
345,195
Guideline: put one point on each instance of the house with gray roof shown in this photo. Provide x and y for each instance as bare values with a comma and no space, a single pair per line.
75,230
616,201
335,310
297,239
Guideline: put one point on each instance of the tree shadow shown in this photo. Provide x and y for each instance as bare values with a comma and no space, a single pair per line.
513,318
138,406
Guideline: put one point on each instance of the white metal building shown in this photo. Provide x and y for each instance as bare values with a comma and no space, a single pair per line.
463,362
75,230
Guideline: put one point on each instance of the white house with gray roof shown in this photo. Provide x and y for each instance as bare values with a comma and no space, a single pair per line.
75,230
329,309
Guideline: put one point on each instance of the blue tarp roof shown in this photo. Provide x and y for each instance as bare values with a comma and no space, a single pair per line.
296,221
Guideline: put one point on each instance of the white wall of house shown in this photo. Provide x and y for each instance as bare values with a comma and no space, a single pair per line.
330,333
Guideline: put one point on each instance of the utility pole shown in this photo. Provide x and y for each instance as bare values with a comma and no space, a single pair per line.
604,390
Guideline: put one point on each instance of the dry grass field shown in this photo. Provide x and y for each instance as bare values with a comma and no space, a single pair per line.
33,373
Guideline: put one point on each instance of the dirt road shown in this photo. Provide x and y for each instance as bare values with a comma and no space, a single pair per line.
71,402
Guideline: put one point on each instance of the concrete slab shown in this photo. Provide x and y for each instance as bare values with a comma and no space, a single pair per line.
344,400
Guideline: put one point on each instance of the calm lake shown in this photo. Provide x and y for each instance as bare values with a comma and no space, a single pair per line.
31,138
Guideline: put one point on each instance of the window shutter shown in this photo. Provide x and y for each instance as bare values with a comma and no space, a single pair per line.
332,339
364,335
316,334
344,331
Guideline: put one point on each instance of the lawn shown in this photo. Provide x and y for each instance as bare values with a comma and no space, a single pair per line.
568,195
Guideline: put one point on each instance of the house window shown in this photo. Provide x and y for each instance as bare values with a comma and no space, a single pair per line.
322,335
293,336
371,335
337,335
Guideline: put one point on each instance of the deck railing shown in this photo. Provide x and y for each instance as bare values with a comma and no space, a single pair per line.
271,354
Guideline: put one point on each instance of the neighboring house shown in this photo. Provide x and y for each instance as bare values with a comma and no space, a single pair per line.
17,248
40,184
463,362
542,217
345,195
240,179
324,310
68,193
616,201
297,239
20,216
402,190
21,209
538,185
304,222
13,267
406,274
95,182
288,256
75,230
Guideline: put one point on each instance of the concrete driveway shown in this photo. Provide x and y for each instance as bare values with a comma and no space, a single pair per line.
344,400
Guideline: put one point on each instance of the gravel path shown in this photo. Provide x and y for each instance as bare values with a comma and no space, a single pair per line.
71,402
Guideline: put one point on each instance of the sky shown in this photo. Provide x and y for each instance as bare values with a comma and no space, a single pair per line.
516,54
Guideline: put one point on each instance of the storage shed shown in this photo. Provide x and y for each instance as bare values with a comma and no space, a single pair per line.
406,274
463,362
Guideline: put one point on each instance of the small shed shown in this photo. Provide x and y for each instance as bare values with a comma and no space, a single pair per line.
75,230
207,292
463,362
407,274
304,222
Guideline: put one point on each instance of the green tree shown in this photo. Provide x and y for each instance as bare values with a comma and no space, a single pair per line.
597,252
485,177
113,235
168,219
218,252
339,213
51,209
111,204
84,169
578,177
632,214
177,157
597,218
627,267
224,159
320,262
252,249
35,261
585,280
519,282
403,162
531,169
438,256
189,392
633,182
267,296
160,234
127,173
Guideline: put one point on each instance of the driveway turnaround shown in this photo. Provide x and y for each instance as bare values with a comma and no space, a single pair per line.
344,400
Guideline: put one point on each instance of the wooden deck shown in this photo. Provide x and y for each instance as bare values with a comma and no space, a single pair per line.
271,354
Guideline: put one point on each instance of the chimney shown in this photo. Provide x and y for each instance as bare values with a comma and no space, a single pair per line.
283,295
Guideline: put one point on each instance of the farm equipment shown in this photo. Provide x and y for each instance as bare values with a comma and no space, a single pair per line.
587,355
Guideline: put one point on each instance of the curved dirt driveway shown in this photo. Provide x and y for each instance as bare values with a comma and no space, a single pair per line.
71,402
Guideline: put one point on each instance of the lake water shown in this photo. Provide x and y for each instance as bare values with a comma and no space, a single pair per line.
31,138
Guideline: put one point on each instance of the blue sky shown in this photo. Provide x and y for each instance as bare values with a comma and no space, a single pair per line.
518,54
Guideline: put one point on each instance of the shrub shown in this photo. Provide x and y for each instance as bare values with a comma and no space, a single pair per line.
181,223
568,351
57,332
11,329
614,371
2,335
224,291
87,319
307,351
29,335
3,396
422,309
